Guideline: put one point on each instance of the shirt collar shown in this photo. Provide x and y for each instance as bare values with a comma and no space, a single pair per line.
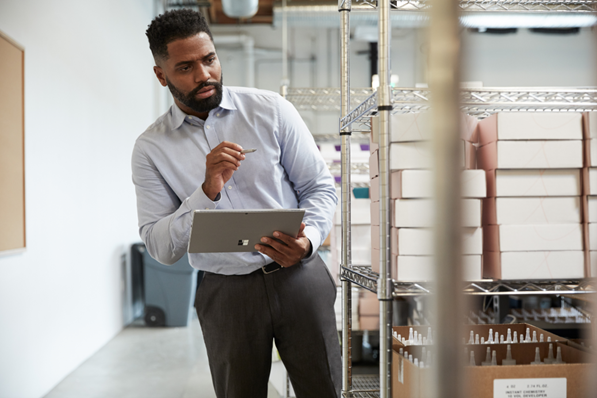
178,115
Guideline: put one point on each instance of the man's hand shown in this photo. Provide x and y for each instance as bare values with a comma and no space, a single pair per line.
220,164
289,251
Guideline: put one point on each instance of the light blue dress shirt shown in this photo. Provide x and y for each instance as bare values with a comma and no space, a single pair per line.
286,172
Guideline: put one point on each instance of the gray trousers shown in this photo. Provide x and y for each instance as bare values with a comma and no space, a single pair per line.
241,315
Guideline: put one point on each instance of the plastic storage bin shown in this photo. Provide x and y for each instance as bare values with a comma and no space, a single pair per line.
169,291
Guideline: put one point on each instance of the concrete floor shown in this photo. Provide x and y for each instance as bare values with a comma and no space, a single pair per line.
143,362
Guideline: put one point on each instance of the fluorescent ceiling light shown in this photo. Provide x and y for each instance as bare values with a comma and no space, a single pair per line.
526,20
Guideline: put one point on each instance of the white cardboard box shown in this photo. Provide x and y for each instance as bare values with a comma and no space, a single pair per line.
592,152
534,265
523,238
374,164
417,127
590,181
411,184
375,212
420,268
592,216
419,155
530,155
542,182
530,126
593,267
419,241
533,210
419,213
592,236
590,124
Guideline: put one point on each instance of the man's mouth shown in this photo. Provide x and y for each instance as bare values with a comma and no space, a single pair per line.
205,92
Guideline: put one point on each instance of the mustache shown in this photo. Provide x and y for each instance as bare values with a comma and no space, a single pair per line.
202,86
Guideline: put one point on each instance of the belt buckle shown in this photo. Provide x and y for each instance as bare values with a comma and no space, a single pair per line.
271,272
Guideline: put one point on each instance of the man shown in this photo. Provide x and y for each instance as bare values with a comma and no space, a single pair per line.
190,158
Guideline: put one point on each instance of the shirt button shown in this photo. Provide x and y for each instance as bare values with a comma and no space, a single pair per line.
217,114
206,126
207,208
229,186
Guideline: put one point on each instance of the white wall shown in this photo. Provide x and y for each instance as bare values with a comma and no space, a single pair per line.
89,93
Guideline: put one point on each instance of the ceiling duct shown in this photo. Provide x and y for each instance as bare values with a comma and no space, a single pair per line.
240,8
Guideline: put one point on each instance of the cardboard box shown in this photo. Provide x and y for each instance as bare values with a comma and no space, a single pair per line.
590,125
591,146
490,381
374,189
534,265
592,236
368,304
529,238
590,181
419,155
375,263
542,182
411,184
530,155
369,322
419,213
530,126
593,266
375,212
417,127
592,209
420,268
419,241
532,211
374,164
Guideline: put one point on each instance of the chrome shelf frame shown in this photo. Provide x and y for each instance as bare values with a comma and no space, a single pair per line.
480,102
324,99
365,277
527,6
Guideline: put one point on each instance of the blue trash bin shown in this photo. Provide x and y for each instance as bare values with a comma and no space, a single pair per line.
169,291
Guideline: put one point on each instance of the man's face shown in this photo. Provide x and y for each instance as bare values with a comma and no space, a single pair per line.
193,74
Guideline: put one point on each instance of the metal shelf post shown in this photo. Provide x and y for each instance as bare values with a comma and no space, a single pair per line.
384,291
344,7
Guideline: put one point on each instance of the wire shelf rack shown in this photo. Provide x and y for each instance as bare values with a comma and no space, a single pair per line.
324,99
540,6
365,277
479,102
363,386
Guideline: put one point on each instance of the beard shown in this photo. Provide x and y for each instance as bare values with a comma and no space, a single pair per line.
198,105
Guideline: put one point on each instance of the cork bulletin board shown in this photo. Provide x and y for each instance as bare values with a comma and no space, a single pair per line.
12,146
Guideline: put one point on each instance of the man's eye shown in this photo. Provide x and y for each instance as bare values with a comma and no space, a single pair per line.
185,68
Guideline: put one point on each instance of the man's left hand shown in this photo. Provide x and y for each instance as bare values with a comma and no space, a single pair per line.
287,250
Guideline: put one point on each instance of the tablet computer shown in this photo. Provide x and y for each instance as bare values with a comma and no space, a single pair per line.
225,231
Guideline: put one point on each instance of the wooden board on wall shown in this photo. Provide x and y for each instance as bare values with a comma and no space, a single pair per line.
12,145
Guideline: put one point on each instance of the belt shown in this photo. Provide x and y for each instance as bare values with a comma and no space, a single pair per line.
271,267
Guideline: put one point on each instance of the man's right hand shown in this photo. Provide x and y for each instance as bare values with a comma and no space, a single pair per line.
220,164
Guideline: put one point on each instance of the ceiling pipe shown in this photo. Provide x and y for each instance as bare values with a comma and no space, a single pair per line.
248,44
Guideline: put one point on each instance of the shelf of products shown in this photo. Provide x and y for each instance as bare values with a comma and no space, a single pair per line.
365,277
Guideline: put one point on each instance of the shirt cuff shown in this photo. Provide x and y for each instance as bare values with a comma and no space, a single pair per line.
199,200
315,238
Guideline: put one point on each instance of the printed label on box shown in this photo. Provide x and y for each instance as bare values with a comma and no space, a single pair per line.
530,388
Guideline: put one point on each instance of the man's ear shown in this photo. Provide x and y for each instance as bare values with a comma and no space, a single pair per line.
159,73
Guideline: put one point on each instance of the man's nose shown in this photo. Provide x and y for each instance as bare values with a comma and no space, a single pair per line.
202,74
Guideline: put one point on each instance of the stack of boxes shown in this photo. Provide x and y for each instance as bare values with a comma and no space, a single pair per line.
590,189
411,191
532,218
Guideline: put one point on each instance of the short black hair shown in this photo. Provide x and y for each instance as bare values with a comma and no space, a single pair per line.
174,25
